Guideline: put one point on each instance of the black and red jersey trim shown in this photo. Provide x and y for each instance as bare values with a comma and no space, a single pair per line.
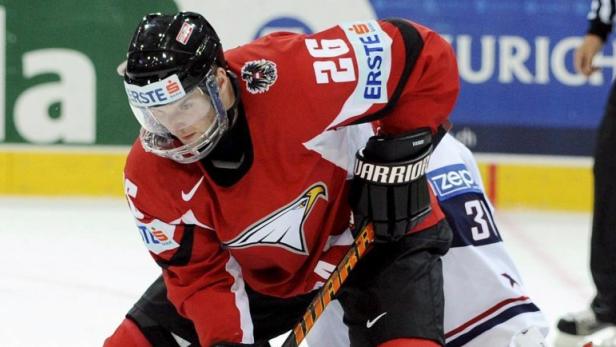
184,252
413,44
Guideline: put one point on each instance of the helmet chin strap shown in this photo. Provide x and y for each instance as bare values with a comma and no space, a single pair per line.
233,110
228,154
232,158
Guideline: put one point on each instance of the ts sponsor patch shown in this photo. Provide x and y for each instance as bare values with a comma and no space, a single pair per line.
157,236
453,180
259,75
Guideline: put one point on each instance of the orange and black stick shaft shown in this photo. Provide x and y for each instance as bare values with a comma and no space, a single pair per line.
331,288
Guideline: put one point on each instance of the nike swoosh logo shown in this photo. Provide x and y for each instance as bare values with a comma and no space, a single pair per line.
189,195
370,323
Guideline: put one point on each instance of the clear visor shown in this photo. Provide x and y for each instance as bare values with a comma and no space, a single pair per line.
186,129
185,119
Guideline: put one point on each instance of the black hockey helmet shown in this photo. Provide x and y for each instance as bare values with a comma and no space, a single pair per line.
172,59
184,44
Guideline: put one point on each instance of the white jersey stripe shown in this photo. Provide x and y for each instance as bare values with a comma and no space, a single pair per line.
241,300
339,146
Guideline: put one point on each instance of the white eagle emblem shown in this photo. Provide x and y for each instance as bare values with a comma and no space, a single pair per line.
284,227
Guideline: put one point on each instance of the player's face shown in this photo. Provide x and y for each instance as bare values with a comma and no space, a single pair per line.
188,118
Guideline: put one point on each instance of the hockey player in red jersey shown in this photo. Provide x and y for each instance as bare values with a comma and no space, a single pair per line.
242,180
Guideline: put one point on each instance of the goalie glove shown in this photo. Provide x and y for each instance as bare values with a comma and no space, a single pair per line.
390,188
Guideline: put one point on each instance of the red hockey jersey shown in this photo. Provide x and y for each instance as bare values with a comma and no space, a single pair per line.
283,227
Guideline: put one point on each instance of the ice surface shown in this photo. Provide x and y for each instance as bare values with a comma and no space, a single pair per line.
71,268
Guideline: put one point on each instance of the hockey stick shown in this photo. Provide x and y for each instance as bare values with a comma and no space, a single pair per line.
330,289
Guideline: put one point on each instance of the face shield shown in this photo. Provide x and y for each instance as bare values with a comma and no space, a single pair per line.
175,124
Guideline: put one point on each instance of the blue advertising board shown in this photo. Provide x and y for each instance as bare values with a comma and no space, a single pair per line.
520,92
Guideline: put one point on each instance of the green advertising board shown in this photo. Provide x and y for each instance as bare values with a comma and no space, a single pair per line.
58,59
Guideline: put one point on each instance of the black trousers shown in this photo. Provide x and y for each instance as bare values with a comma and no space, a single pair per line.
603,239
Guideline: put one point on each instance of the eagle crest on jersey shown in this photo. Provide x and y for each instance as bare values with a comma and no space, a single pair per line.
285,227
259,75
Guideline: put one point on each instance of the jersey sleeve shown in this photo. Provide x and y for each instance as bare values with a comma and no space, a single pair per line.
406,75
395,73
208,281
428,95
456,181
201,277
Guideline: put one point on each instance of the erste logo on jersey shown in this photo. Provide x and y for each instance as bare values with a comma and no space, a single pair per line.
453,180
372,48
155,94
157,236
284,227
259,75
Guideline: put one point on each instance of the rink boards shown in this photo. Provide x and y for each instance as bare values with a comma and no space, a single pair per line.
539,182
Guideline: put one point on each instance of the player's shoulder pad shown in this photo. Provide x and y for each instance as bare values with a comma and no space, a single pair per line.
138,160
156,185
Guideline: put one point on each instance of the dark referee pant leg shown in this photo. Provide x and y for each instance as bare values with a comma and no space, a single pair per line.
603,240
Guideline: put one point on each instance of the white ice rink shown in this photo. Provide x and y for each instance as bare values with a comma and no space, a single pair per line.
71,268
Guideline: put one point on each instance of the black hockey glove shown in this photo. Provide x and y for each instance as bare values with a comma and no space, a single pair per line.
390,188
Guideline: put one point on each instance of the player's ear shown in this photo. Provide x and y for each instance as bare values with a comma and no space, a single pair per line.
121,69
225,88
221,77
